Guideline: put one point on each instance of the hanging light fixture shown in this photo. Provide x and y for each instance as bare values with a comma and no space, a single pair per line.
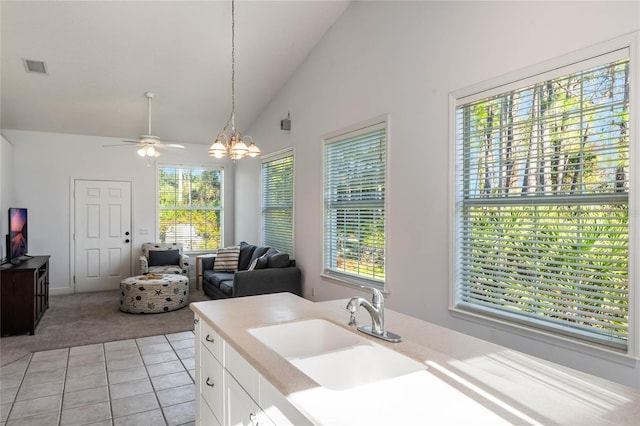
236,145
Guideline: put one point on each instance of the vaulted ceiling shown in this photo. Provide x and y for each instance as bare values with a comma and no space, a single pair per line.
102,56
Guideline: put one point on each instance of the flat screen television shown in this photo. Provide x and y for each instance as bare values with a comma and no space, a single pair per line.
17,241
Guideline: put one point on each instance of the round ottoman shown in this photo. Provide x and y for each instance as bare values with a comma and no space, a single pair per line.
154,293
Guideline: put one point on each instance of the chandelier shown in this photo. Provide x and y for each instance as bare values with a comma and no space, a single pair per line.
234,144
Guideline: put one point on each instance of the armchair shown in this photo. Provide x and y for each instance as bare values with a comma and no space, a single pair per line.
163,258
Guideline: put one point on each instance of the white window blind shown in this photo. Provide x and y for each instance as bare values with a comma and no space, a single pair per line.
542,202
354,203
190,206
277,202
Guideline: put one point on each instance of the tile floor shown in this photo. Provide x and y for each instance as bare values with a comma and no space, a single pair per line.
147,381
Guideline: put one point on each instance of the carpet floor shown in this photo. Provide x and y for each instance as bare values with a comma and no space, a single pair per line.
87,318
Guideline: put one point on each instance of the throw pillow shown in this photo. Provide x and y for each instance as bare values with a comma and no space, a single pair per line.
227,259
253,265
164,257
246,252
278,260
262,261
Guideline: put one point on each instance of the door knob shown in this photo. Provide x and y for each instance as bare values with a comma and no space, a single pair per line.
126,241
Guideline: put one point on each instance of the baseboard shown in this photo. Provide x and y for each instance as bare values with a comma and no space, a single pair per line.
58,291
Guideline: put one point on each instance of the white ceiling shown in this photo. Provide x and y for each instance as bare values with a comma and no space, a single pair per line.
102,56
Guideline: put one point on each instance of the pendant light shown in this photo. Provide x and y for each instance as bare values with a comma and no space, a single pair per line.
234,144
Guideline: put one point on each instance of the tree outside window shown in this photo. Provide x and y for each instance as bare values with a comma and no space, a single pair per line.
190,201
542,210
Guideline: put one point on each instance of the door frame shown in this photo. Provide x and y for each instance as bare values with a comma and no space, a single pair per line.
72,222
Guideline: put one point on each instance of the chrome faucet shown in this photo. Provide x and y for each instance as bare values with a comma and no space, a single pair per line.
376,310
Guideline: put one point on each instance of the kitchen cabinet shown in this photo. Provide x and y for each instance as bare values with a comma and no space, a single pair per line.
231,391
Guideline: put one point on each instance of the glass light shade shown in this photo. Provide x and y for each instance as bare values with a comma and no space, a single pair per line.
254,151
148,151
218,149
239,148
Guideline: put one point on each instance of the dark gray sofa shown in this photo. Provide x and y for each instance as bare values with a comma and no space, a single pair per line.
274,272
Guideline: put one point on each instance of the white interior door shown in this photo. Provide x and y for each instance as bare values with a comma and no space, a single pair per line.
102,234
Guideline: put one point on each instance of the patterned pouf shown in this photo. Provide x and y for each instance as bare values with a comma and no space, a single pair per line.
154,293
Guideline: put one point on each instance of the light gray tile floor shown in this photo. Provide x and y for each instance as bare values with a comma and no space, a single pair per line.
147,381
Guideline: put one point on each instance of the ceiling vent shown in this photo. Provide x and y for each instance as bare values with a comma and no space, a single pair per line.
37,67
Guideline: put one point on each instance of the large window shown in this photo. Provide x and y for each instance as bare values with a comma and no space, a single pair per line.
542,201
277,201
190,200
354,206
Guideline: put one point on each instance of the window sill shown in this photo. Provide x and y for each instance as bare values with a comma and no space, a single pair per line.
353,282
529,333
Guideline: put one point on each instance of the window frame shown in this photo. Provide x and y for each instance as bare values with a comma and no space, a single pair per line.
352,280
563,65
279,155
221,209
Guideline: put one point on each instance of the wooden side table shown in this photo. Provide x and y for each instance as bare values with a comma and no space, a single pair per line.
199,267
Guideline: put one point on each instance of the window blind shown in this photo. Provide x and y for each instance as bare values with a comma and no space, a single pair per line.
277,202
190,206
354,201
542,192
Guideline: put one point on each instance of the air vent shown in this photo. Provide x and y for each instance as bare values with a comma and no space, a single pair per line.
38,67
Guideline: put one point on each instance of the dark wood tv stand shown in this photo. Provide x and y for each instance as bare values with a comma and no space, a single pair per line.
24,295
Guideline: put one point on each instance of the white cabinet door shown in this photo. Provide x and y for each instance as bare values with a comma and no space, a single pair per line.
207,418
277,408
198,348
240,408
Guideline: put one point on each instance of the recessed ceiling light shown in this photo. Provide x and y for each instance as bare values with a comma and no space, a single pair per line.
38,67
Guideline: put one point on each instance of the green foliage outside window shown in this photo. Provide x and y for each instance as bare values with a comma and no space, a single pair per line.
543,193
191,207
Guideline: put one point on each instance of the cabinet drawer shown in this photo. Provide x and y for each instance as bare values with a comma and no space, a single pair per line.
211,386
211,340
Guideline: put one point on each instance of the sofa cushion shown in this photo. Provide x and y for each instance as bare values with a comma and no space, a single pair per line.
227,259
164,257
259,251
227,287
278,260
246,251
219,277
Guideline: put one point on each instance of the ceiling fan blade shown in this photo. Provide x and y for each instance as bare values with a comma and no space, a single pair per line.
170,145
118,144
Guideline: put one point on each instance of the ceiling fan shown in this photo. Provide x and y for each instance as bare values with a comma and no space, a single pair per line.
149,144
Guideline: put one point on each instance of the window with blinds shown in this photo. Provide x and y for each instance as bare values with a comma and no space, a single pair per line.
277,201
354,206
542,201
190,206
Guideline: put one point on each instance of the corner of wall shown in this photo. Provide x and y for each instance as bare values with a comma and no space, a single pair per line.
6,187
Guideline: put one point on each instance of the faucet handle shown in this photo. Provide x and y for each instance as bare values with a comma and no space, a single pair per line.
378,298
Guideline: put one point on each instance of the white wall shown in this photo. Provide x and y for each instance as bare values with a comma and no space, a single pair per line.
6,190
47,163
403,59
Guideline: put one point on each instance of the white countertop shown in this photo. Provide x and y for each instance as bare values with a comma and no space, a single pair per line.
466,379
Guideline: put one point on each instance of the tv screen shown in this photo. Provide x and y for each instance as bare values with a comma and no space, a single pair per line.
17,241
